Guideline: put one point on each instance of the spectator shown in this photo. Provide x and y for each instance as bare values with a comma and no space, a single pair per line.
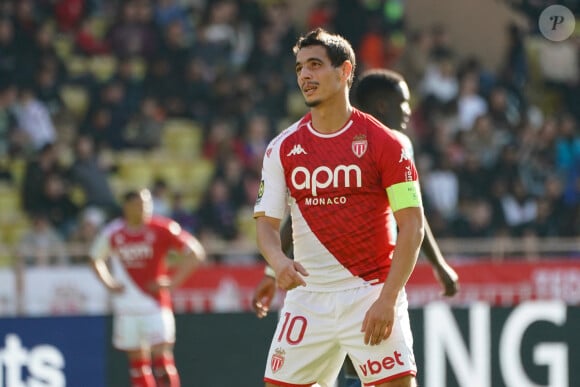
257,134
217,214
34,119
485,141
126,75
470,104
41,54
133,33
10,144
474,219
8,48
69,13
182,214
169,11
321,15
91,174
415,58
58,205
161,198
442,187
145,128
90,221
439,80
42,245
519,208
48,89
221,142
196,88
515,66
43,163
503,109
87,42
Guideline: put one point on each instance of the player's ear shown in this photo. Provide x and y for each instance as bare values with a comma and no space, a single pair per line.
346,70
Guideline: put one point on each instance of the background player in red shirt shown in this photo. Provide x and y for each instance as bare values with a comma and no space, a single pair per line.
384,94
130,259
345,287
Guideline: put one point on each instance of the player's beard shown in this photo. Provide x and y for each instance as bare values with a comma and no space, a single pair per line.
314,103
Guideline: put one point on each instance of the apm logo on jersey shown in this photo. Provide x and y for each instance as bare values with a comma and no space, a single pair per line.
277,360
359,145
323,177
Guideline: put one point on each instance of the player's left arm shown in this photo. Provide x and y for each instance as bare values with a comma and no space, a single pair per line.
193,256
191,252
379,319
399,176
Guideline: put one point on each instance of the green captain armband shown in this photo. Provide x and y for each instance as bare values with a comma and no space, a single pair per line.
404,195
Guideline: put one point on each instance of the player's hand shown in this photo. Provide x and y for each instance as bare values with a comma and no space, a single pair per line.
448,279
378,322
263,296
116,288
163,282
289,274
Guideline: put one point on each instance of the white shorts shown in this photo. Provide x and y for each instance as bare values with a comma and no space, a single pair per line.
317,330
134,331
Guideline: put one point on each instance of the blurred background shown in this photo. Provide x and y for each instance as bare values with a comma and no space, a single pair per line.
182,97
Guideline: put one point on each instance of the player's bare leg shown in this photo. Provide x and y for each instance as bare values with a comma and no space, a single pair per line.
405,381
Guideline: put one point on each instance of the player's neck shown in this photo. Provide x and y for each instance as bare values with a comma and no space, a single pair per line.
331,115
134,224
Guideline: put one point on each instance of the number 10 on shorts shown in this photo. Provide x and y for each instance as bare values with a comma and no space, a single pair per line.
293,329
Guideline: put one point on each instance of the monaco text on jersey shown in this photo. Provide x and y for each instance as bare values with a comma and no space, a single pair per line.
135,252
324,177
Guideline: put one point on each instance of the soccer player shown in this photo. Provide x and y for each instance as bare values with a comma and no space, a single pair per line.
385,95
136,247
341,171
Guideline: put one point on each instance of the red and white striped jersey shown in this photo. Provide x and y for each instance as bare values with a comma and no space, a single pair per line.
138,258
335,185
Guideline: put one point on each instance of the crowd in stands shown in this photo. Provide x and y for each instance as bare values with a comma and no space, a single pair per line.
83,81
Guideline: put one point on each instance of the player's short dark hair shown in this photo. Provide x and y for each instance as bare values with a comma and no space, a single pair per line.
377,84
130,195
337,47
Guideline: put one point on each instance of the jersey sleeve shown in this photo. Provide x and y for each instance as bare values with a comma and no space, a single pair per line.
399,175
180,239
272,194
101,246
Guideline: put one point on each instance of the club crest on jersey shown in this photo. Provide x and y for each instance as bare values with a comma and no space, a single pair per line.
277,360
359,145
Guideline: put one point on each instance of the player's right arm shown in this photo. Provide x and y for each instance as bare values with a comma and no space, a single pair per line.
99,253
266,289
270,208
288,272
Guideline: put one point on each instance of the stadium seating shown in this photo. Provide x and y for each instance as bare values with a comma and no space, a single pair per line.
182,138
75,99
103,67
